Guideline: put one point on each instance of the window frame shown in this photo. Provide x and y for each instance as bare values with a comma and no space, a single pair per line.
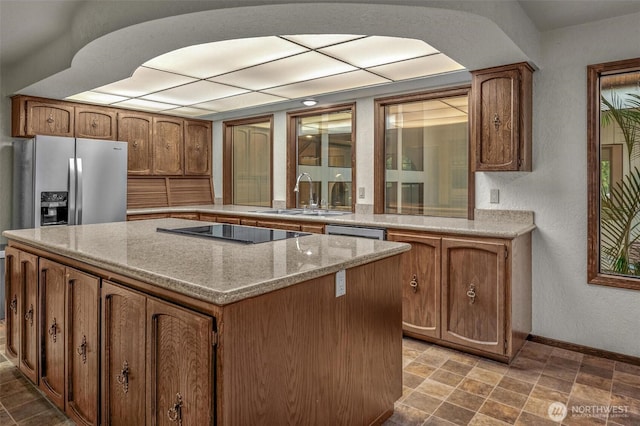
379,165
594,72
292,148
227,154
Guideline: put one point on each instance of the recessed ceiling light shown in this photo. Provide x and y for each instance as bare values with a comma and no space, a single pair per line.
309,102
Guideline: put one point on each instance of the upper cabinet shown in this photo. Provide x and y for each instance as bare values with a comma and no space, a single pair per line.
168,142
32,117
95,122
197,146
137,130
501,118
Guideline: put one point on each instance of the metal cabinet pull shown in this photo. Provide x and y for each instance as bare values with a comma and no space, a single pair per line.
82,349
123,377
29,315
53,331
471,293
175,412
14,304
414,283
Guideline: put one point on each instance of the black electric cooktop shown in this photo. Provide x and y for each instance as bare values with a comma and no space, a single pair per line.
237,233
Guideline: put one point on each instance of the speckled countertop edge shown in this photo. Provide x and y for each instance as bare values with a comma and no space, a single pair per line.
489,223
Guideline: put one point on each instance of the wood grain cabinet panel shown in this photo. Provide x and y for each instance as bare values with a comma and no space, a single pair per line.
22,313
168,145
473,300
53,331
287,226
49,118
95,122
197,147
501,118
137,130
420,280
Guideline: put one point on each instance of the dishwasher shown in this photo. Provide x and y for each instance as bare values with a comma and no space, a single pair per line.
357,231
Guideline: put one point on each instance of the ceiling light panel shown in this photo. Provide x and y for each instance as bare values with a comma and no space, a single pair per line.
315,41
211,59
145,105
377,50
190,111
143,81
418,67
96,98
246,100
194,93
335,83
305,66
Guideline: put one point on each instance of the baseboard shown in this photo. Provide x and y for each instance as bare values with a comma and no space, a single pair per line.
585,349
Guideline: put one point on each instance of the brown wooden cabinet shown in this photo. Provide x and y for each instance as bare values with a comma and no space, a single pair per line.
501,118
197,147
276,224
42,117
420,284
470,293
168,145
22,313
94,122
137,130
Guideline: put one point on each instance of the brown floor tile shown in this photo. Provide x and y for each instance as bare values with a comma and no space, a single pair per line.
595,361
515,385
437,421
419,369
29,409
485,376
482,420
446,377
5,420
527,364
499,411
476,387
534,355
466,399
463,358
571,355
596,371
567,363
507,397
628,368
626,378
456,367
50,417
584,417
405,392
528,419
594,381
546,394
407,416
495,366
21,397
432,358
596,396
422,402
631,404
411,354
559,372
411,380
538,407
530,376
620,388
415,344
436,389
555,384
454,414
626,419
14,386
8,373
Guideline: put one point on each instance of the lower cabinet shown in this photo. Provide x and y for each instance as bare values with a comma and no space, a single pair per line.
472,294
159,361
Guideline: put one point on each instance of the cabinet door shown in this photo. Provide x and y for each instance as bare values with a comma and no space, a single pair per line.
29,317
180,365
167,146
420,284
95,123
83,347
123,366
53,331
315,228
137,130
13,295
473,299
51,118
287,226
197,147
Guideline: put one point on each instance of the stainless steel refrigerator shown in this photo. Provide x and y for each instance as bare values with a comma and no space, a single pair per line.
68,181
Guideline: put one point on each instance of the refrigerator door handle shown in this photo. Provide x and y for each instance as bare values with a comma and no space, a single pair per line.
72,192
79,196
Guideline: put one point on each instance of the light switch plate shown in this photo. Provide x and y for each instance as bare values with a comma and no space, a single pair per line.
494,196
341,283
361,192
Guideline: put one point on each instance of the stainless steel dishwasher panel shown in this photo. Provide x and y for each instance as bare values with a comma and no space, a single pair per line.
357,231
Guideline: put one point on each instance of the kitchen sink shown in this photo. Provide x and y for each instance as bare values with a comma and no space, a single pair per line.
304,212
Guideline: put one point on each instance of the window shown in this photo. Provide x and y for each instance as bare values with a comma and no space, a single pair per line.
322,143
247,168
614,173
422,155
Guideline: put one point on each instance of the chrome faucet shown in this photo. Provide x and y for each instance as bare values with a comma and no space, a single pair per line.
312,201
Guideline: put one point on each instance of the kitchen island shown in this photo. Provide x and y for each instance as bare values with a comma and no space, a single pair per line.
120,324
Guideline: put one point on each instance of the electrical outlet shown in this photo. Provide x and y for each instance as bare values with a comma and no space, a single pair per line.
361,192
494,196
341,283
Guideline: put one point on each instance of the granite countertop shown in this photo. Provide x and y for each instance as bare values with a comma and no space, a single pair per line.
215,271
487,223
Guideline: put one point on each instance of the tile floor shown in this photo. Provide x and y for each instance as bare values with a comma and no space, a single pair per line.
444,387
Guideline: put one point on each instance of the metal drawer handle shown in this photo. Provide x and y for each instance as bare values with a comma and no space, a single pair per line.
471,293
29,315
175,413
82,349
123,377
14,304
53,331
414,283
